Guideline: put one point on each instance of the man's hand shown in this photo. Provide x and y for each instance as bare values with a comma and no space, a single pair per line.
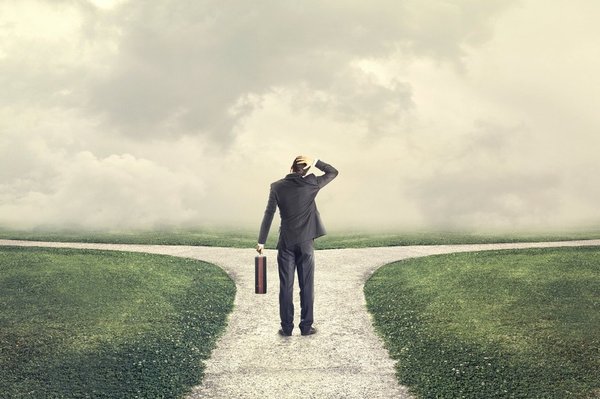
259,248
305,160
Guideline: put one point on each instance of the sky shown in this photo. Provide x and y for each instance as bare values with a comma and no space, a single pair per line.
438,114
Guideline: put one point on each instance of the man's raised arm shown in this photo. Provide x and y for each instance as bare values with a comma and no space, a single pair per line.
330,173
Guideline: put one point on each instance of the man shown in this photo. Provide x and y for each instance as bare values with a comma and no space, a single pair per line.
300,225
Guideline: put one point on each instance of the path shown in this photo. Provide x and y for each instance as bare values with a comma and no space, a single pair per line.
346,359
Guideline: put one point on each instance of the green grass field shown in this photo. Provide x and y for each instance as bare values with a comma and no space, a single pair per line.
105,324
502,324
240,238
498,324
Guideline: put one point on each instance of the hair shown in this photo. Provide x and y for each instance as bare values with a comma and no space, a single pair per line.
298,167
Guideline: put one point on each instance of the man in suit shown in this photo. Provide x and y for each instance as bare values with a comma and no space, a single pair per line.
300,225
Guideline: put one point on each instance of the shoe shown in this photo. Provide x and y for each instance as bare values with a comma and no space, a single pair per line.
283,333
310,331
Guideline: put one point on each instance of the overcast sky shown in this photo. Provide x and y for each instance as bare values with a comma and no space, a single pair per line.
438,113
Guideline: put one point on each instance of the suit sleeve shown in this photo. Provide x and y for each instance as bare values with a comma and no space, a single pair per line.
330,173
265,226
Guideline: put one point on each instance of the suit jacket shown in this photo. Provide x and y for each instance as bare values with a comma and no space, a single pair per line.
295,197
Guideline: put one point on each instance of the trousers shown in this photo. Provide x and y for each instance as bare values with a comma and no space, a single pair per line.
299,257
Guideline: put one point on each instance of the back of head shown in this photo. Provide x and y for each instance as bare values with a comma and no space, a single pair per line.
299,167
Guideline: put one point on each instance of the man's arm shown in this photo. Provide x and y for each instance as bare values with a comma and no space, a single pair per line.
330,173
265,226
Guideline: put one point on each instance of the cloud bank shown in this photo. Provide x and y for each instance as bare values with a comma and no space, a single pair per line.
438,114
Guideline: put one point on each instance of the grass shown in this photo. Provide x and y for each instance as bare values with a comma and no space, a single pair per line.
103,324
243,238
206,237
501,324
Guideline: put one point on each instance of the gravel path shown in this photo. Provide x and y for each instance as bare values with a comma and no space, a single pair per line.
346,359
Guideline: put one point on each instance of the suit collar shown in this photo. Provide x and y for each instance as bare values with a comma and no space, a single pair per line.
293,176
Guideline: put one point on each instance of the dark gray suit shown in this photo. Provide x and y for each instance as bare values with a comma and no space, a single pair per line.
300,225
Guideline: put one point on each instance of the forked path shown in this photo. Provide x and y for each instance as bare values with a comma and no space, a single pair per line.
346,359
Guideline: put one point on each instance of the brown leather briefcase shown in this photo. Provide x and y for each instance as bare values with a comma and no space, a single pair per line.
260,274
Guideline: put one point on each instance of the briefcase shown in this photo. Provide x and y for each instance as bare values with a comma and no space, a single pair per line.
260,274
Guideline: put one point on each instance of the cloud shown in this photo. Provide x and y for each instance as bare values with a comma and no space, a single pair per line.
50,187
182,67
485,182
104,190
437,113
150,69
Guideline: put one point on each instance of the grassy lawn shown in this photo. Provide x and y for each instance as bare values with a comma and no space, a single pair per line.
240,238
502,324
104,324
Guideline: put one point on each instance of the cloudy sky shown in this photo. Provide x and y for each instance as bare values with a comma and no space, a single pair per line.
438,113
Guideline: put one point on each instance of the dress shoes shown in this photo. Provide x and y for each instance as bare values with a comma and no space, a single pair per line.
283,333
310,331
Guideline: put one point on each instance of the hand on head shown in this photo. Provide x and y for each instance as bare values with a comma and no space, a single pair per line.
303,159
301,165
